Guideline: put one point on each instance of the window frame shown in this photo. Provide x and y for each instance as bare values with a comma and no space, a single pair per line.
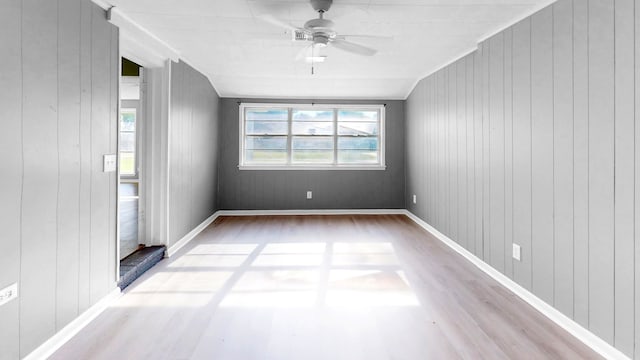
136,111
381,108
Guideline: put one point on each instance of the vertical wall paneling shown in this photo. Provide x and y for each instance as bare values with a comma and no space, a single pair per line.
190,112
461,164
430,140
68,222
409,161
100,127
203,153
624,175
417,190
563,156
601,168
443,119
535,136
581,162
637,182
478,146
86,159
424,154
193,155
58,102
175,154
422,191
40,173
522,150
114,62
470,116
452,148
10,181
423,151
445,151
508,152
440,169
496,143
486,150
431,82
542,153
418,126
417,150
428,148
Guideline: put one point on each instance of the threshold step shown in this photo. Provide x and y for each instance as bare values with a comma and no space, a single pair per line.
136,264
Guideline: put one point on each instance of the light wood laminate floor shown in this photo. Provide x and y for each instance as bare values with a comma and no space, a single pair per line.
319,287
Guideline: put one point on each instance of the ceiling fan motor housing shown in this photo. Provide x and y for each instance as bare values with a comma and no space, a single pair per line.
319,25
320,39
321,5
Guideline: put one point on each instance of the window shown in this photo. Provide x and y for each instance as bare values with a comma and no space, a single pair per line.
128,142
276,136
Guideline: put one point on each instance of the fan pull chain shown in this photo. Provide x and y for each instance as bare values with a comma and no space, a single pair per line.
312,58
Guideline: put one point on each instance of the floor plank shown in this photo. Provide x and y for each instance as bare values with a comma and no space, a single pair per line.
319,287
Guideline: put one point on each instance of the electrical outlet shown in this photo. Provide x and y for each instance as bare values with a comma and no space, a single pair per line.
309,194
415,199
516,252
109,163
9,293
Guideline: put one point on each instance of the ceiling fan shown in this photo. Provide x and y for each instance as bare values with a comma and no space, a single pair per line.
321,34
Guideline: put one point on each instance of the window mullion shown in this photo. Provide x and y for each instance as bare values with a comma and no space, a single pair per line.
335,136
289,136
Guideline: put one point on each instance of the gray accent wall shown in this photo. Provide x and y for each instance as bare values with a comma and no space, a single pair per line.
193,150
532,139
58,110
332,189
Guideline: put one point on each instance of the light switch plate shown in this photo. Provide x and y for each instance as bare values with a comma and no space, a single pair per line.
110,162
9,293
516,252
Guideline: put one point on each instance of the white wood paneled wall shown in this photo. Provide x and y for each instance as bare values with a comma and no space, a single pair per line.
58,111
532,139
193,151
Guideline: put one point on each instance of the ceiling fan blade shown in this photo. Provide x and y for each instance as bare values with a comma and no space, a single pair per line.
279,23
363,36
353,47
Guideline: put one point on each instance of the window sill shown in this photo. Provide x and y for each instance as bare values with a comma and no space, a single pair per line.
315,167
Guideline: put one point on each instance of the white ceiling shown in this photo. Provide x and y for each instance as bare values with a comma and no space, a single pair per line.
245,56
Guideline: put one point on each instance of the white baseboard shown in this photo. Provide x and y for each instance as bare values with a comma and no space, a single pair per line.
313,212
192,234
66,333
587,337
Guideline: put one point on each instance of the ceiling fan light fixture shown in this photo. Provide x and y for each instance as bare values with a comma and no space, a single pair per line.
316,59
321,34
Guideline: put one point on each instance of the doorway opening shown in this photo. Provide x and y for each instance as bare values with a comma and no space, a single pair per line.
135,256
131,122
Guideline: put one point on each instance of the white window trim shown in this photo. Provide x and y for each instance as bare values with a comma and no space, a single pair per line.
311,106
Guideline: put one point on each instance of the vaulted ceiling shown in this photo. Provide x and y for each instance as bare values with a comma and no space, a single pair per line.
245,56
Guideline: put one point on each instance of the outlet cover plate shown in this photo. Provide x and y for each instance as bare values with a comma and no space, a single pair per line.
516,252
309,194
